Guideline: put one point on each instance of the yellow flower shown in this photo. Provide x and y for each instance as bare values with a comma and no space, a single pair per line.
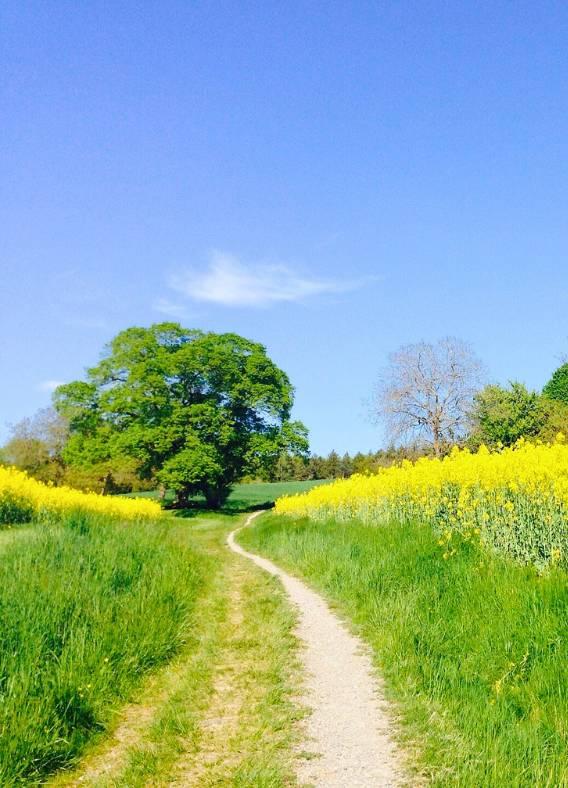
463,493
44,501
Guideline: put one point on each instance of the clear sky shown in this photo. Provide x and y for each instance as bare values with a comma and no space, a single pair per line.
332,179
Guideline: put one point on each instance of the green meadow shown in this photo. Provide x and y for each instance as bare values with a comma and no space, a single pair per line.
473,649
247,496
113,631
118,632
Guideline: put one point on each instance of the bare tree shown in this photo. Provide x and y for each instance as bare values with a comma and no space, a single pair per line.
36,445
426,391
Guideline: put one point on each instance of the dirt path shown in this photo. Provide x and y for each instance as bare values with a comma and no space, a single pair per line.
349,728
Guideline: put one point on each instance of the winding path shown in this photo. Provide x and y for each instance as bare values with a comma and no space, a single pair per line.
348,727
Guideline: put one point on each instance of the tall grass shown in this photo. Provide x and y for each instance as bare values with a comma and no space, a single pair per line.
86,608
472,647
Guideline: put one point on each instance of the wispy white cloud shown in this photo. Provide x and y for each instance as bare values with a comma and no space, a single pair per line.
231,282
49,385
170,308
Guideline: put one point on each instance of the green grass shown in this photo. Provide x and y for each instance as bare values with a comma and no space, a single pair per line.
473,649
259,494
244,731
86,609
222,712
12,534
248,496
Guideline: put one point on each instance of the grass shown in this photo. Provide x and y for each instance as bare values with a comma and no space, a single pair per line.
87,608
12,534
248,496
222,712
473,649
256,495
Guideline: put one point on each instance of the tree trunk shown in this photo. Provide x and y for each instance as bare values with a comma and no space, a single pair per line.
182,499
436,438
215,497
107,484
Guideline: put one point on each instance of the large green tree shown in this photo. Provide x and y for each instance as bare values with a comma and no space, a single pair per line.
197,411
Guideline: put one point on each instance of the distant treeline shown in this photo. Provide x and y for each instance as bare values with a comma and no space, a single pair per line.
339,466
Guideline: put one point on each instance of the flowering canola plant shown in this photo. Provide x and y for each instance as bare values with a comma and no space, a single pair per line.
514,501
25,499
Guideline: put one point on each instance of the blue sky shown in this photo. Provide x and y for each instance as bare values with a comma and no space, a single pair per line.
331,179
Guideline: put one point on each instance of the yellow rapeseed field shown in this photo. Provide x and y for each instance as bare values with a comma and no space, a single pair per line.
23,498
514,500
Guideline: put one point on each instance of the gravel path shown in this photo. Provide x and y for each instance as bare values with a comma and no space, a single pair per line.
349,727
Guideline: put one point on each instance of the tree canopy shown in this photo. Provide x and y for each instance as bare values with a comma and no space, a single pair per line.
557,386
503,415
195,410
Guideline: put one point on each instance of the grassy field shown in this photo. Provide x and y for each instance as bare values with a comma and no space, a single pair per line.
222,711
259,494
252,495
473,649
142,654
148,654
87,609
